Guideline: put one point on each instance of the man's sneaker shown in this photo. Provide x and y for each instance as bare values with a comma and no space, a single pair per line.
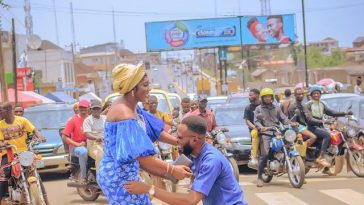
259,183
253,163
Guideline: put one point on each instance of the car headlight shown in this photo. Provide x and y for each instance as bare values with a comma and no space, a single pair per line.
26,158
290,136
60,150
351,132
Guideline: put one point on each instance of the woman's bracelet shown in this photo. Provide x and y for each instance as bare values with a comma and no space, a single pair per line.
172,169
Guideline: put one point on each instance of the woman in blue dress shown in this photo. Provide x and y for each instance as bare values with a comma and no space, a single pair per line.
128,140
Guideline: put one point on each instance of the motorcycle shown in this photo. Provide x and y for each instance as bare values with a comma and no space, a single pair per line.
24,185
343,145
218,139
284,158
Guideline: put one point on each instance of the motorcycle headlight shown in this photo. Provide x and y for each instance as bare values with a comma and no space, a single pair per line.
26,158
290,136
221,139
351,132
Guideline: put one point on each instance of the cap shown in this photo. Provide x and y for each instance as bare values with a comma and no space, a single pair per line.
95,103
84,103
202,98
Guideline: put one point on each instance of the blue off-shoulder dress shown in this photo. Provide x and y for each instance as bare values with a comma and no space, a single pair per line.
124,141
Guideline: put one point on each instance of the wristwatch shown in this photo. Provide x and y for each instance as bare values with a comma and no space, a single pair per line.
151,191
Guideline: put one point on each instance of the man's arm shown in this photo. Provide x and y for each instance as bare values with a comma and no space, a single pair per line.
332,112
66,135
29,127
246,117
214,123
257,122
87,129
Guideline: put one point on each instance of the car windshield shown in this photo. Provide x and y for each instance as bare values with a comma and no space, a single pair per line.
175,101
162,103
49,119
230,116
239,100
342,104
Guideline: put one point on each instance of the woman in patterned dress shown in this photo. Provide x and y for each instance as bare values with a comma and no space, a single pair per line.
128,140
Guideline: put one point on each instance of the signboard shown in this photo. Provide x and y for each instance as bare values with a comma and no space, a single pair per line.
189,34
275,29
222,54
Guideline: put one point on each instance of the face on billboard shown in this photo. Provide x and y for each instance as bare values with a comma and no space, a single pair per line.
261,33
275,26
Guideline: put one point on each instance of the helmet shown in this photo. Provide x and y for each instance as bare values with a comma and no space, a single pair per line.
314,88
266,91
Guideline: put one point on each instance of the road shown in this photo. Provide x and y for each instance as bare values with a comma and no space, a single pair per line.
320,189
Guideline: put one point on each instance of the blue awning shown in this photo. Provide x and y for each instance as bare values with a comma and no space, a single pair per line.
60,97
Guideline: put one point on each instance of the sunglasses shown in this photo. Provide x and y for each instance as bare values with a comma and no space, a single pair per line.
96,108
18,111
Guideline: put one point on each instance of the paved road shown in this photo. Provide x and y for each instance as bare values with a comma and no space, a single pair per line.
343,189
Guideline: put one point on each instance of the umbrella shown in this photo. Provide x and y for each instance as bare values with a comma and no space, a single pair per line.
60,97
325,82
23,98
41,97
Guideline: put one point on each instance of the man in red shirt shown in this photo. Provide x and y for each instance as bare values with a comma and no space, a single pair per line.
73,135
206,114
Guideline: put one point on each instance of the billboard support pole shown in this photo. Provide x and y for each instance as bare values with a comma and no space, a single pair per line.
14,62
220,67
242,51
304,42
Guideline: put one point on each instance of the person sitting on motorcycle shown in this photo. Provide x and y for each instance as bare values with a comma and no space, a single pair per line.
249,118
93,127
300,117
266,115
13,131
317,110
74,136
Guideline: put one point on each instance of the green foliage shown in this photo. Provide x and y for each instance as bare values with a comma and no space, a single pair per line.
316,59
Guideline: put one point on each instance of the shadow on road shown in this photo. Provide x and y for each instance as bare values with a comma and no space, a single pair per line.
54,176
244,169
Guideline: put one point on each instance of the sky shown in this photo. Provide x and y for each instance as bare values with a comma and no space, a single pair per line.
341,20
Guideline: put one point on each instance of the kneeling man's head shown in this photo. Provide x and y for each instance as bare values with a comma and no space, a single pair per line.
191,134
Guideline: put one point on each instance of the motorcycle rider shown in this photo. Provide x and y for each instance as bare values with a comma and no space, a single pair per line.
19,110
249,119
266,115
93,127
315,121
301,117
13,131
73,135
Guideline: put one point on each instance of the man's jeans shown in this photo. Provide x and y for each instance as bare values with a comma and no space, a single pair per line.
81,153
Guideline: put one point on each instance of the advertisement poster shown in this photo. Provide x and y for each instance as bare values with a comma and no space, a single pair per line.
189,34
275,29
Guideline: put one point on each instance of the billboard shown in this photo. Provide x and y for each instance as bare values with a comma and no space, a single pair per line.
275,29
189,34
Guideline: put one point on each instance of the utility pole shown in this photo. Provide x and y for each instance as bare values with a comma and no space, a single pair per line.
4,87
55,20
73,30
116,43
304,42
15,71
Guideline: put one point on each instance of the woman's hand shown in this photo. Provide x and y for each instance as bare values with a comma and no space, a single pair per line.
135,187
180,172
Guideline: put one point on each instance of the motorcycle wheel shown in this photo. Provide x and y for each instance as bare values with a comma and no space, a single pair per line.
87,194
356,161
44,192
297,176
35,195
234,167
307,169
266,177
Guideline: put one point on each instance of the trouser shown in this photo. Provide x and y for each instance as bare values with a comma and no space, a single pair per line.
5,174
81,153
321,133
255,143
264,146
96,151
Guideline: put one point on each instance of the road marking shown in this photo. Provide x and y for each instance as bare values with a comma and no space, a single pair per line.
280,198
347,196
246,184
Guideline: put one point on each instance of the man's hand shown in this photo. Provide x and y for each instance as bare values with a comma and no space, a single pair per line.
136,187
81,144
180,172
264,129
99,140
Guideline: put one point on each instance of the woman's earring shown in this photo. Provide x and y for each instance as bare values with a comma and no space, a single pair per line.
132,93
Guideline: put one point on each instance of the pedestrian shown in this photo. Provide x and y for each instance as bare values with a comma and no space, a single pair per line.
214,181
357,89
19,110
128,140
93,127
206,114
194,105
75,108
249,119
153,109
74,136
287,101
186,106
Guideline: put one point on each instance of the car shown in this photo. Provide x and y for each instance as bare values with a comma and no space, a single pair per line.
155,69
175,99
171,88
231,116
212,102
238,98
49,119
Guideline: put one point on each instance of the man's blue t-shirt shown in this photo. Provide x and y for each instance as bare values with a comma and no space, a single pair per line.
215,179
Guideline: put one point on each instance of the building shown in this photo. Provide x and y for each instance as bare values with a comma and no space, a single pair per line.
327,45
358,42
53,67
20,40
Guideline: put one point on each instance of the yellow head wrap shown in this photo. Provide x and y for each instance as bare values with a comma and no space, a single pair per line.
127,76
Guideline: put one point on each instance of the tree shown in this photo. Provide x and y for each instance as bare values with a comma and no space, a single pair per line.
316,59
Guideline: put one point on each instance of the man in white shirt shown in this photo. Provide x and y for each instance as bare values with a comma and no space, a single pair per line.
93,127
